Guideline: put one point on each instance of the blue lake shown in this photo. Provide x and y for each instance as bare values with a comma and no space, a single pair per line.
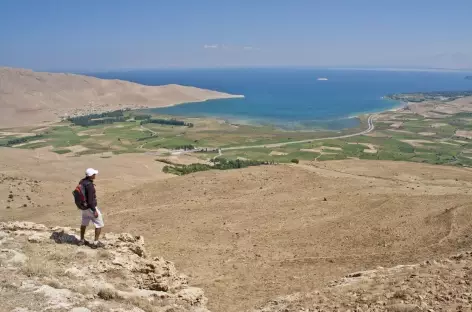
295,97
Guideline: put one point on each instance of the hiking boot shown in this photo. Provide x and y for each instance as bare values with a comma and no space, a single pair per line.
96,245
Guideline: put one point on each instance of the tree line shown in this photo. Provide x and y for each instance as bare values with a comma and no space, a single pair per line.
218,164
16,141
98,119
169,122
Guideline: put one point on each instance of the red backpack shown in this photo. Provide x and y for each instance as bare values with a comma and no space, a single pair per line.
80,196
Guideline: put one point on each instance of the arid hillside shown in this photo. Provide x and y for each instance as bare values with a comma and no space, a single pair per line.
28,97
42,269
249,236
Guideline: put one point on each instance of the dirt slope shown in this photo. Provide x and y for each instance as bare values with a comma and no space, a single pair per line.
248,236
28,97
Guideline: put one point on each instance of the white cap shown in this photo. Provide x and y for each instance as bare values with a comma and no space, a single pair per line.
90,172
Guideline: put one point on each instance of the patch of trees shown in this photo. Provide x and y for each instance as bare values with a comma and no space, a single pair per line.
168,122
22,140
187,147
142,117
218,164
98,119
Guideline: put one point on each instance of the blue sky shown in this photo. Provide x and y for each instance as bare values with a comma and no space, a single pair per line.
95,35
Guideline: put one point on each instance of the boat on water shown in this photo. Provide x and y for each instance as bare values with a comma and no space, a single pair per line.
322,79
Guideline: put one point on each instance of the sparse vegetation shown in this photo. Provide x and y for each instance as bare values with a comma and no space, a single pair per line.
54,283
62,151
36,267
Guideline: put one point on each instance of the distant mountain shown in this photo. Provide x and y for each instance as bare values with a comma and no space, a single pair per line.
28,97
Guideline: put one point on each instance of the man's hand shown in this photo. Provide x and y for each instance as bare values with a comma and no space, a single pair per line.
95,214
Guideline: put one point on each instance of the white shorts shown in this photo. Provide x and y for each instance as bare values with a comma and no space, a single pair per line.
87,216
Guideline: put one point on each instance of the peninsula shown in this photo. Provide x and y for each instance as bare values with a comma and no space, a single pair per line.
28,97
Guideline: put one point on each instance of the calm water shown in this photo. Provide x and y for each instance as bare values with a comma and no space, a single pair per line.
293,97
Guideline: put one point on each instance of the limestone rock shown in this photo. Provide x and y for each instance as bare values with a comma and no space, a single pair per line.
46,268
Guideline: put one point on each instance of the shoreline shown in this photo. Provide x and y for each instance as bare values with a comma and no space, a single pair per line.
225,96
219,96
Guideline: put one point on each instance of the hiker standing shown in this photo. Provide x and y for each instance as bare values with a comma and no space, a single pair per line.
91,211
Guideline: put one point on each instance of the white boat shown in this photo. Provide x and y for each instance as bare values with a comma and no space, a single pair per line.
322,79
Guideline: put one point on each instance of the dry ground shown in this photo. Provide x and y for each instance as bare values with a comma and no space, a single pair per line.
439,109
248,236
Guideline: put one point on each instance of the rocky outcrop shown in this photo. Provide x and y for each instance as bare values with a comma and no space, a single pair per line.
42,269
430,286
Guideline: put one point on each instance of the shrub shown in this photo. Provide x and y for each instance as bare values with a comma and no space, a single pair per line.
295,161
36,268
108,294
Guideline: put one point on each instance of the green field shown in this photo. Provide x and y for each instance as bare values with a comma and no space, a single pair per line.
397,136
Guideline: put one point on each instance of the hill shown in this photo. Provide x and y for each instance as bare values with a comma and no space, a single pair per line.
248,236
28,97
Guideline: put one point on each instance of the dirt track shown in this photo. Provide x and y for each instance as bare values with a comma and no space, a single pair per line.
248,236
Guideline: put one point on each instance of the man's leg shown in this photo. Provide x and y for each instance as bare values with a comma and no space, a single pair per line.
97,233
99,224
82,232
83,227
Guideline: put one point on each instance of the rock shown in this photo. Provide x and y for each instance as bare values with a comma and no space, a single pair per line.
403,307
193,295
126,237
17,225
74,272
123,267
62,237
57,298
37,238
80,309
13,257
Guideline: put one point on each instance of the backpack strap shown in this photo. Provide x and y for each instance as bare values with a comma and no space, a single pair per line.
85,183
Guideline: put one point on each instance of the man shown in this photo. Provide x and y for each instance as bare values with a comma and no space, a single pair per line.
93,213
